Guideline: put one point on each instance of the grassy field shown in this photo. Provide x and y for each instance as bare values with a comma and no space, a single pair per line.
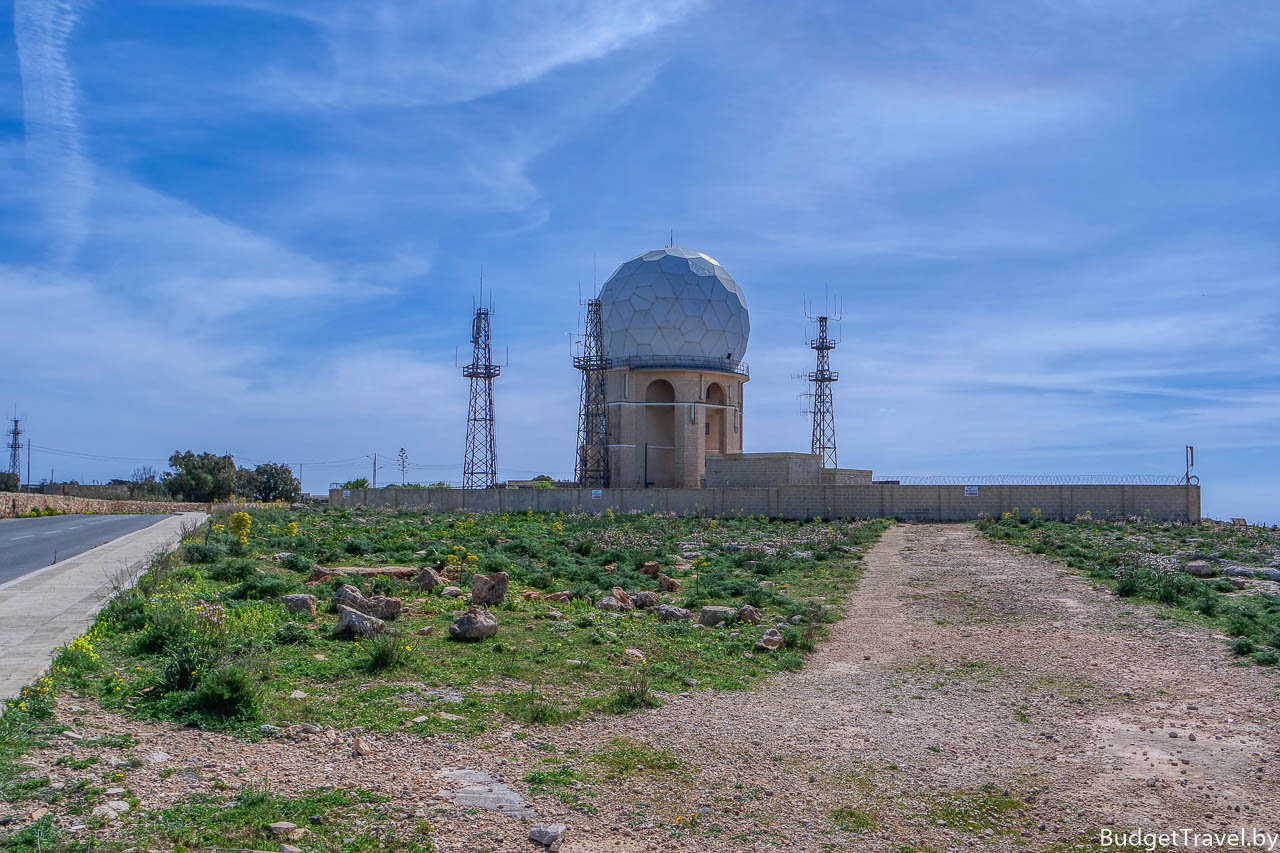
204,639
1146,561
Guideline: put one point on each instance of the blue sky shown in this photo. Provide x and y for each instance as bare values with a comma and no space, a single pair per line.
257,226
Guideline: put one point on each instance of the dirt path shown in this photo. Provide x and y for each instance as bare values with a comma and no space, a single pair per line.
960,665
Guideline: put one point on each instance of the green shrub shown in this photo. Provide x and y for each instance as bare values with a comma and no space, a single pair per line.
298,563
259,586
232,571
1266,658
533,709
1243,646
1239,625
228,692
127,609
185,664
634,695
292,634
199,552
386,651
167,626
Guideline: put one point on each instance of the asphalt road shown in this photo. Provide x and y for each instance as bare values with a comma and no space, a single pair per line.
27,544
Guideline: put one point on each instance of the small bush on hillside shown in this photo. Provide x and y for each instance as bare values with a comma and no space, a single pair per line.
386,651
167,626
292,634
199,552
228,693
232,571
1243,646
634,695
259,586
1266,658
298,563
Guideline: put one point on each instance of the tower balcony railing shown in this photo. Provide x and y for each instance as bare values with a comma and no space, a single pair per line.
681,362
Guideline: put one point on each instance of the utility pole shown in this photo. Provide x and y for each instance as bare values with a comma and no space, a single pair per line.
28,464
822,404
592,463
402,463
15,449
375,469
480,458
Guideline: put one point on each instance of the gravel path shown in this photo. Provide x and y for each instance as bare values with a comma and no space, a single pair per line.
959,665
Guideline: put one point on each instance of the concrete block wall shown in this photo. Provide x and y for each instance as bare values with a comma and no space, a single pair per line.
907,503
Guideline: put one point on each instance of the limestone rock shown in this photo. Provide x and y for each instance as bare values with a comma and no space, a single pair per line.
651,568
713,615
428,579
547,834
351,621
749,614
451,592
667,584
1199,568
609,603
425,632
671,613
623,599
474,624
490,589
645,599
771,641
300,603
361,746
562,597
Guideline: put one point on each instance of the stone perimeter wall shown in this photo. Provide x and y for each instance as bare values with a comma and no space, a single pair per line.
905,503
17,503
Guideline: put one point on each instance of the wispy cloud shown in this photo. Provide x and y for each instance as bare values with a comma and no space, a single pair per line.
401,52
55,147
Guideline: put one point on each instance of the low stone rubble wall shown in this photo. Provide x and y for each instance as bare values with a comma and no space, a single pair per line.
14,504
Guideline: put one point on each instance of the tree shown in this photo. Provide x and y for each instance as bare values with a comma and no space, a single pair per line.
8,482
357,483
246,483
276,483
200,477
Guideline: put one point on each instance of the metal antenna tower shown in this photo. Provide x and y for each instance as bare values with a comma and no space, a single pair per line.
822,405
15,450
592,468
480,462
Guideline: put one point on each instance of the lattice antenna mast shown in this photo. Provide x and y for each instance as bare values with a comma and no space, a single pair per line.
592,467
15,450
480,460
821,378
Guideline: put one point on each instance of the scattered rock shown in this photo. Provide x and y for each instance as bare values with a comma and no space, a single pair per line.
352,621
288,831
797,619
425,632
300,603
671,613
70,735
651,568
667,584
609,603
105,812
474,624
646,599
634,653
451,592
771,641
1199,568
562,597
749,614
546,834
490,589
361,746
379,606
428,579
623,599
298,694
713,615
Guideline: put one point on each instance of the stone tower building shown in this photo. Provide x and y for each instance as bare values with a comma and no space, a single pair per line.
675,330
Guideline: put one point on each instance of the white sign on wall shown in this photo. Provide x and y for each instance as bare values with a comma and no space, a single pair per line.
597,495
970,491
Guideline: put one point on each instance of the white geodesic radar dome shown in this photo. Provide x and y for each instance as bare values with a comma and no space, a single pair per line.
674,307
